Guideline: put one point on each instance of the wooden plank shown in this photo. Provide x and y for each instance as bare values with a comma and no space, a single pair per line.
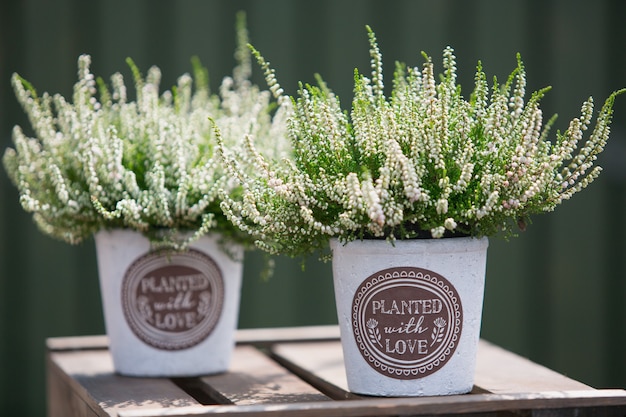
253,378
265,336
89,374
82,383
500,372
62,397
603,402
320,364
261,336
57,344
497,370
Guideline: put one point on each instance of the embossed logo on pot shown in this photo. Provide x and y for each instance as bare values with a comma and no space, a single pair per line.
173,300
406,321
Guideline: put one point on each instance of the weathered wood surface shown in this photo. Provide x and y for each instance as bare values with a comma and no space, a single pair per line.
320,363
254,378
608,404
257,337
501,372
299,372
83,383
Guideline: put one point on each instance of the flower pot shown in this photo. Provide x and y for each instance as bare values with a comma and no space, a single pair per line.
168,313
410,314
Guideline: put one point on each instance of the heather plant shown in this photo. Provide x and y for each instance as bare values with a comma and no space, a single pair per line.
423,162
103,160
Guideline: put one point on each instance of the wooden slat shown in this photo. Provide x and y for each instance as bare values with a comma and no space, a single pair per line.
82,383
579,403
57,344
253,378
319,363
261,336
62,397
500,372
287,334
497,370
89,374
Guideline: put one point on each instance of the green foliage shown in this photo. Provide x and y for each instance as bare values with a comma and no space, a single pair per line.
423,162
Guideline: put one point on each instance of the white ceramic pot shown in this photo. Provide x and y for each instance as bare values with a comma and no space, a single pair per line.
168,313
410,314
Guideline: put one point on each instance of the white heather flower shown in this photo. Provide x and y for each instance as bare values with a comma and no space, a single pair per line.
152,163
372,202
450,224
437,232
442,206
423,159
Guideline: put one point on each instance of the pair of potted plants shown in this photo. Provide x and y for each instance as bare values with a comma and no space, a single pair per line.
406,187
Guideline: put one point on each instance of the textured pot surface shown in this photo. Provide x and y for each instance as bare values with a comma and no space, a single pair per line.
168,313
410,314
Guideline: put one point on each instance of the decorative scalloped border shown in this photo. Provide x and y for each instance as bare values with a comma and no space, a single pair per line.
411,372
164,340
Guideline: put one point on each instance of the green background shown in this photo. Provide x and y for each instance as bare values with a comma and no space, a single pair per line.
555,294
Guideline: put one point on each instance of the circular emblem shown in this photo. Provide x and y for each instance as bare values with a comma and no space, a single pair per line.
173,300
406,321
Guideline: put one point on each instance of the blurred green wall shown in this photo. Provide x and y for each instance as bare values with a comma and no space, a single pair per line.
555,294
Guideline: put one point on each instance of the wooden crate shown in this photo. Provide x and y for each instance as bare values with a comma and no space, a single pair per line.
299,372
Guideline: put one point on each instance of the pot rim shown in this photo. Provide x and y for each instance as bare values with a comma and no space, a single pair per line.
442,245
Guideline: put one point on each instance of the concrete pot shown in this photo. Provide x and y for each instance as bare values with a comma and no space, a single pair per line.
410,314
168,313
